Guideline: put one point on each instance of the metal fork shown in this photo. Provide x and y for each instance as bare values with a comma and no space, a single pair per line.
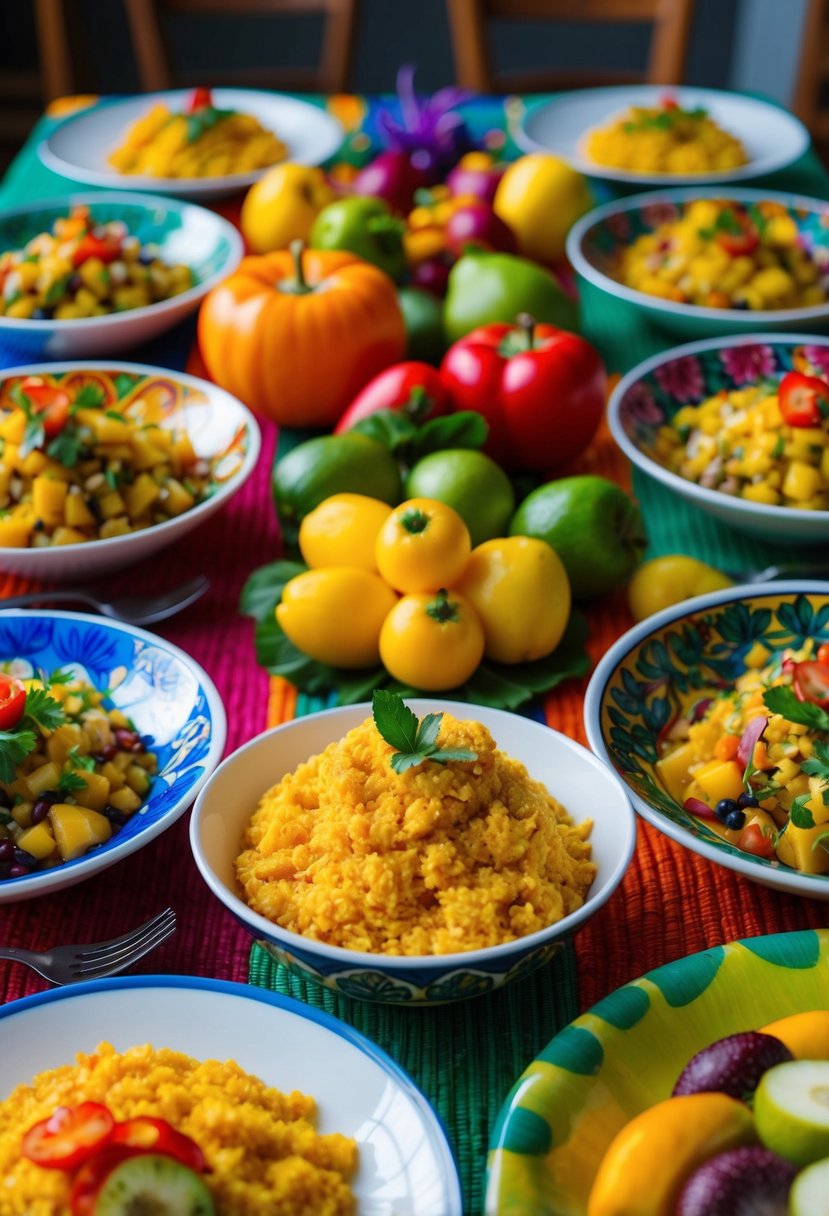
71,964
803,569
135,609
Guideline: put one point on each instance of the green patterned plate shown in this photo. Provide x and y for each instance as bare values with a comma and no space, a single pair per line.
626,1053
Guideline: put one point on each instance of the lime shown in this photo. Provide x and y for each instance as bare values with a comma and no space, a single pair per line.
791,1110
472,483
809,1195
423,317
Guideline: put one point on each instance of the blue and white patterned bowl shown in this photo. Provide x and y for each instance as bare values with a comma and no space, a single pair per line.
173,703
651,393
595,240
587,788
182,232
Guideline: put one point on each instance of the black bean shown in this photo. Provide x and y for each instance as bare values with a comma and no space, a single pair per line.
6,850
6,800
17,871
23,858
116,818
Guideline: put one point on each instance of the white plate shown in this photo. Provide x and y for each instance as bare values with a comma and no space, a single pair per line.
79,147
406,1166
771,136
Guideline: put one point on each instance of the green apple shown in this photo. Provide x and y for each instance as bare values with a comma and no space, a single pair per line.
594,527
791,1110
472,483
809,1195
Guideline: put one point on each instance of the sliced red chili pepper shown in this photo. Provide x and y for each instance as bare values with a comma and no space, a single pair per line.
69,1137
811,683
91,1177
150,1135
738,244
804,400
105,248
199,100
49,402
12,701
753,839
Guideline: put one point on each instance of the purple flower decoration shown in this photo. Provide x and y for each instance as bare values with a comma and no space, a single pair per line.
655,214
748,364
682,379
431,131
818,357
619,225
640,409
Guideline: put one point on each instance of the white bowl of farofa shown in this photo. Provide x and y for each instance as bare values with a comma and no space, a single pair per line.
367,867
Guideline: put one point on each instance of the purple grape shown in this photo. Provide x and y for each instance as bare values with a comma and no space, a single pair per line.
733,1065
747,1181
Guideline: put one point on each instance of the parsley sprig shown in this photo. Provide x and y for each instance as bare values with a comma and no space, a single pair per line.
415,741
33,433
782,700
41,715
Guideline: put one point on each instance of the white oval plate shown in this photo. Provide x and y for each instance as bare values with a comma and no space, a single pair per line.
771,136
406,1165
79,147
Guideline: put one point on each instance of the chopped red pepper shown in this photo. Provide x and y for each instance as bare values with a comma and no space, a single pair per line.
753,839
823,654
50,403
149,1135
741,239
200,99
106,248
804,400
811,683
12,701
69,1137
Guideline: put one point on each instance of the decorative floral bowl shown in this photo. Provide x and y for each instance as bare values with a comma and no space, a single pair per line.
221,430
594,241
172,702
648,397
625,1054
182,232
699,645
585,787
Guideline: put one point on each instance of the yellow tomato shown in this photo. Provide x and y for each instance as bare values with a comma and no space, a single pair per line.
342,531
432,641
422,546
520,590
282,206
335,615
669,580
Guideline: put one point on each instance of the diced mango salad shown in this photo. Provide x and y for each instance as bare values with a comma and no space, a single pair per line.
201,141
83,269
722,254
753,762
665,138
752,443
73,469
72,771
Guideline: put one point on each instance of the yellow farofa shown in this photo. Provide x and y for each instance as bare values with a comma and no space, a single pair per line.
659,140
159,145
439,859
262,1151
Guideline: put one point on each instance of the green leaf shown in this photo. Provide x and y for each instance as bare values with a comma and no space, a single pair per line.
281,657
57,291
123,383
800,816
33,436
401,761
15,746
428,731
445,754
821,841
263,590
782,700
70,782
394,429
59,677
395,721
818,766
90,397
66,447
76,760
44,711
466,429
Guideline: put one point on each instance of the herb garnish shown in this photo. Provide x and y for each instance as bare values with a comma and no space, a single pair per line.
90,397
33,433
782,700
41,715
799,815
415,741
67,447
818,766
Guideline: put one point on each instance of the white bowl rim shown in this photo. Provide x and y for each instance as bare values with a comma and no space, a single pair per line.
673,480
785,878
726,316
225,491
191,296
464,959
45,881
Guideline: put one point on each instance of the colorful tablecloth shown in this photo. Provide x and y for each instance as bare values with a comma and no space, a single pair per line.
671,903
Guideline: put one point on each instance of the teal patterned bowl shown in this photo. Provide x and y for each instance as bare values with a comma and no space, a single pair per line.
650,394
588,789
182,232
646,678
593,243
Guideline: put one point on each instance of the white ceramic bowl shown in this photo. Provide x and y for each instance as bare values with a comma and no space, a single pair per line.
171,700
221,429
648,396
79,147
405,1163
182,232
585,787
772,137
596,237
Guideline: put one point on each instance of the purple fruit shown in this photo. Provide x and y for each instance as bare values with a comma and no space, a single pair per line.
733,1065
742,1182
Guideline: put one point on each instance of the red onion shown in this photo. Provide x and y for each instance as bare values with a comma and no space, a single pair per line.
695,806
751,735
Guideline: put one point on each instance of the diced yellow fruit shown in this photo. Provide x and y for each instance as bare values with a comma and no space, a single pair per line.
105,428
96,792
799,848
141,495
111,504
137,779
68,536
13,426
125,800
145,454
48,499
77,513
761,492
720,779
35,463
177,499
42,779
801,481
119,525
673,770
22,814
38,841
113,775
63,739
77,829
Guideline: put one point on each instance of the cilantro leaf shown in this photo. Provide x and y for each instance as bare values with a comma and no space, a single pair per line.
44,711
59,677
70,782
818,766
782,700
66,447
800,816
90,397
415,742
75,760
15,746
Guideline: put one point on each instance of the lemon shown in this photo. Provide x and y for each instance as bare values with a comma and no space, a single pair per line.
809,1195
540,198
805,1034
669,580
791,1110
342,531
335,615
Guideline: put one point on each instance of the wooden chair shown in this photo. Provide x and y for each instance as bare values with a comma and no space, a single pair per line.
813,73
468,19
23,94
155,69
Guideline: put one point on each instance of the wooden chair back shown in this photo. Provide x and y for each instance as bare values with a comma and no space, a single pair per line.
813,73
468,19
331,75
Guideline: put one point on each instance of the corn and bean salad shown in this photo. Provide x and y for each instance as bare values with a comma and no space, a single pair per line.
73,470
753,762
665,139
201,141
83,269
722,254
72,771
763,443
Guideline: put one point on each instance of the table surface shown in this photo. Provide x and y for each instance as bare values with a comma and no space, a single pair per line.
671,903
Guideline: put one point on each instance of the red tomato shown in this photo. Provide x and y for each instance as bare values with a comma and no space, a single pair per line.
542,395
742,238
149,1135
811,683
91,1177
413,388
12,702
823,654
68,1137
106,248
200,99
752,839
53,403
804,400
